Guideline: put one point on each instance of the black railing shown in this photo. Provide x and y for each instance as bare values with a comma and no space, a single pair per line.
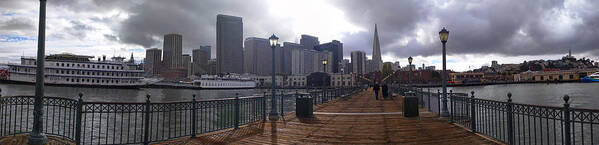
517,123
142,123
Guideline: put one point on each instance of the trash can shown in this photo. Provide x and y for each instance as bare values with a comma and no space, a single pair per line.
410,105
304,108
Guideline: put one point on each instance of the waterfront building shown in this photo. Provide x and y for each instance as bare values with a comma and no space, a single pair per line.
70,69
309,42
338,80
172,51
336,49
229,44
153,61
200,61
467,77
187,64
358,60
280,80
377,62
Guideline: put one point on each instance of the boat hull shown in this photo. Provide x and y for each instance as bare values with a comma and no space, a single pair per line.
588,80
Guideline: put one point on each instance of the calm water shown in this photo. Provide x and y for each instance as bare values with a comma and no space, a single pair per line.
125,95
582,95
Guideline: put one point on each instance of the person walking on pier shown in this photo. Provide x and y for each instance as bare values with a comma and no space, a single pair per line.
375,88
385,90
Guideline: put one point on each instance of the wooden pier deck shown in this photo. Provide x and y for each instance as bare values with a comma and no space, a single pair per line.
358,120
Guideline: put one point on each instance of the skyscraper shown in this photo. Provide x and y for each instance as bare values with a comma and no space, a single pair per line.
200,61
229,40
208,49
309,42
336,48
172,46
358,61
377,62
153,61
186,63
257,56
297,57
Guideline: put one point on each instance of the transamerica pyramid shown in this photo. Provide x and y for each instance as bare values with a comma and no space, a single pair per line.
376,51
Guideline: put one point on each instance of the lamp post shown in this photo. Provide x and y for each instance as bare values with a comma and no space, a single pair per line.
443,35
410,74
37,137
324,63
342,76
273,115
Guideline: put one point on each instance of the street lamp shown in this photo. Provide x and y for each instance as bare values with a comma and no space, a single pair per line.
443,36
324,63
273,115
410,74
342,76
37,137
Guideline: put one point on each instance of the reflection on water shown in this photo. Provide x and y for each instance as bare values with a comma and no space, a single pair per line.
125,95
582,95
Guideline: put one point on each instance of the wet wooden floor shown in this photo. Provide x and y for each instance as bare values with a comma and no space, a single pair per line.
358,120
22,140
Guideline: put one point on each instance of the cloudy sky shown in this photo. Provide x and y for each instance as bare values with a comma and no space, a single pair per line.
509,31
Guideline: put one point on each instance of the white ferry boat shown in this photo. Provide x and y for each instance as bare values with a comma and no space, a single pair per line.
79,70
226,82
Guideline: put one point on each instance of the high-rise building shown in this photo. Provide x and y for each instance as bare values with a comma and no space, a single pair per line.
309,61
186,60
369,66
257,56
358,61
172,47
318,61
297,57
200,61
309,42
376,52
153,61
285,59
229,40
208,49
344,66
336,48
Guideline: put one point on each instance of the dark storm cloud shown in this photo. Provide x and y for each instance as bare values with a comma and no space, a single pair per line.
196,21
508,27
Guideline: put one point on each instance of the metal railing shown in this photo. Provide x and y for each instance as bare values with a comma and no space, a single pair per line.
142,123
517,123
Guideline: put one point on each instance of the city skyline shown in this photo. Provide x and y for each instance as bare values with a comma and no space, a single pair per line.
99,27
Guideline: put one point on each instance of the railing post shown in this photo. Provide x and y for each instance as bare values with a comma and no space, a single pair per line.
567,134
193,117
264,107
282,101
438,102
472,113
78,119
451,98
429,98
510,118
422,97
147,121
236,115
